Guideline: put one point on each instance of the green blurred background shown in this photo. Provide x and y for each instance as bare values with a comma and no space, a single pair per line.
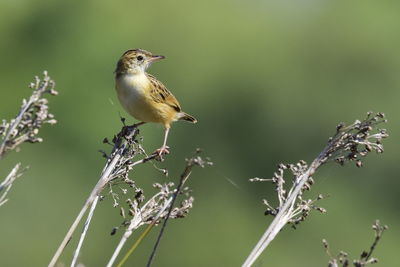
268,82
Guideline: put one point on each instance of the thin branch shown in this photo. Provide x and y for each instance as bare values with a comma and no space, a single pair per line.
184,176
156,209
25,126
8,182
116,172
283,216
122,149
33,113
84,231
350,143
135,245
365,257
135,222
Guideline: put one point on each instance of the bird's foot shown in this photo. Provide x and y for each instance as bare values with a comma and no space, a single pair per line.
161,151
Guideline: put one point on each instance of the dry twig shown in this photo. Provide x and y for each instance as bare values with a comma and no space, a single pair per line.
365,256
171,212
126,147
26,125
8,182
32,115
159,207
350,143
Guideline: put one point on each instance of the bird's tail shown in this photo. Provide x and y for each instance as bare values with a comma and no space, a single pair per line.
186,117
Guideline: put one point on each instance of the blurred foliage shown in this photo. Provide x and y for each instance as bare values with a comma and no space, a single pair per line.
268,81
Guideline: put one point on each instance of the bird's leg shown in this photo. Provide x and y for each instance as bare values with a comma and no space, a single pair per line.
164,149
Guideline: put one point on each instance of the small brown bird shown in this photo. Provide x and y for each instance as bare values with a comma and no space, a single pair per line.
143,96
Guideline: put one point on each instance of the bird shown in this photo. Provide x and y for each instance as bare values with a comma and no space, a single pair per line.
143,96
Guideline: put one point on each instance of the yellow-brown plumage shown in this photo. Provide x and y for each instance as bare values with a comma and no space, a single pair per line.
142,95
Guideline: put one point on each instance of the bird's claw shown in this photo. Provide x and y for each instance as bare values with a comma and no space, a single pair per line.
161,151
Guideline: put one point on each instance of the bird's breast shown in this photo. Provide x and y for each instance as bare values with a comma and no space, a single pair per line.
133,93
132,86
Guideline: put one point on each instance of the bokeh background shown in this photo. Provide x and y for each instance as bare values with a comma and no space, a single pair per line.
268,82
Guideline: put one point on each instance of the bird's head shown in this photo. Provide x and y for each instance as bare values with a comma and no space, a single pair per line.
136,61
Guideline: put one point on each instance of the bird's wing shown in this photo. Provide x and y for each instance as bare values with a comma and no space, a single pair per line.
160,94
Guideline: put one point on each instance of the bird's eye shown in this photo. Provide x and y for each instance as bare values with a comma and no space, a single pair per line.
140,58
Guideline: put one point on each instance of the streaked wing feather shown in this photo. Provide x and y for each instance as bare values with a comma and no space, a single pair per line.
160,94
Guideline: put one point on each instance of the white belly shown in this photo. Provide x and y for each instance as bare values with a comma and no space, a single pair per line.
131,91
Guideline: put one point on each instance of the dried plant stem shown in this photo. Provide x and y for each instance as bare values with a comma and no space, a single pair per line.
162,213
33,113
119,247
350,143
104,179
136,221
25,127
136,244
97,189
284,214
116,172
15,123
365,259
84,231
185,175
7,183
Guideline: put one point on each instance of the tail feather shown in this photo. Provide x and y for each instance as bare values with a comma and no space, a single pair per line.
186,117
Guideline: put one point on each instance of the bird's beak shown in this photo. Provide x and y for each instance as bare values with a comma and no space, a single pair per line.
156,58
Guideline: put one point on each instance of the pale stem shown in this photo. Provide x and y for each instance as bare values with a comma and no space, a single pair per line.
284,214
84,231
34,97
136,221
104,179
7,183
